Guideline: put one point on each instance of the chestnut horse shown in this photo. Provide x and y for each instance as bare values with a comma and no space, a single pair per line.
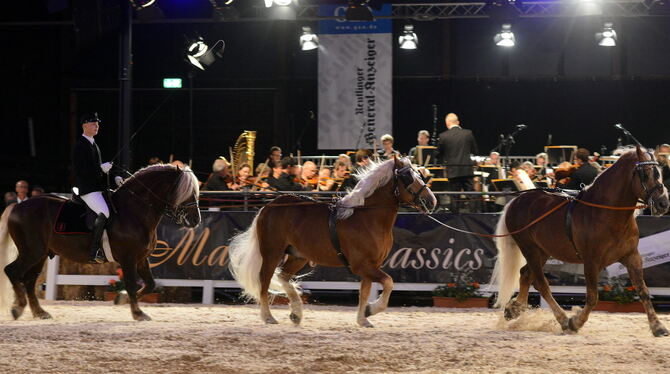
140,203
601,235
364,223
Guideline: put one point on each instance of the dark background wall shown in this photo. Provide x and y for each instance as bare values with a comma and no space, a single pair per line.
556,80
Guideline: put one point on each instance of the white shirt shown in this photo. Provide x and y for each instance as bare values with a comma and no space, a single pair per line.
89,138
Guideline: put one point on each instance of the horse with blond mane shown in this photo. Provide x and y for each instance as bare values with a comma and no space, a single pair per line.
360,224
596,229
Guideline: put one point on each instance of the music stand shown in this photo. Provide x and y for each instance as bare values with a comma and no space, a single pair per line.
421,149
439,184
559,153
504,185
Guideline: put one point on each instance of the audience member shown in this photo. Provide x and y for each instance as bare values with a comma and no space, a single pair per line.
36,191
21,189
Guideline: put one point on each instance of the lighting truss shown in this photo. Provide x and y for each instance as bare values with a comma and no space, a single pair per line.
528,9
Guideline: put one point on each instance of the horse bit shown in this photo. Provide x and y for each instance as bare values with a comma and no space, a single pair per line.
405,174
639,168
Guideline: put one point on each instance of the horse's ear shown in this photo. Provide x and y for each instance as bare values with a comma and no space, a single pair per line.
640,153
397,162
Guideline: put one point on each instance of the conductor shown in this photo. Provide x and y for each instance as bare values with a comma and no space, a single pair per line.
89,172
454,149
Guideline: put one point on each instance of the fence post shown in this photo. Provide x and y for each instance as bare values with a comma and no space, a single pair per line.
374,292
208,291
52,278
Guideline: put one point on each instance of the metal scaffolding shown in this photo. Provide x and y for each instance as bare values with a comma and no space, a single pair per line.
528,9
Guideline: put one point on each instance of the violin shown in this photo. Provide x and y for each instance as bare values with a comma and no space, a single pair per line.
564,171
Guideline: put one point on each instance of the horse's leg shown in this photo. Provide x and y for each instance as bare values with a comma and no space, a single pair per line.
268,268
519,304
633,263
591,274
377,275
542,285
29,282
16,272
363,296
130,280
144,272
290,267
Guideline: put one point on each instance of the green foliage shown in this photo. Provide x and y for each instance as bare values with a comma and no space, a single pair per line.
617,290
461,287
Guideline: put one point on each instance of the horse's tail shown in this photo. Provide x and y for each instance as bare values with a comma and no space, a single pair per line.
245,261
510,260
8,253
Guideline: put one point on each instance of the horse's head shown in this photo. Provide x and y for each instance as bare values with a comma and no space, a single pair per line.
648,185
410,187
185,210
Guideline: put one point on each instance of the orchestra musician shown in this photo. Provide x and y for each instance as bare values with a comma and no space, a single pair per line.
220,178
308,176
422,138
662,154
387,150
280,179
581,173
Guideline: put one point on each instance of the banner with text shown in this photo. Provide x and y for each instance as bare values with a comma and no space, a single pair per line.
422,252
355,79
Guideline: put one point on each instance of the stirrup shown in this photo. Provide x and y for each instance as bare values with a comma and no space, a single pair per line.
99,257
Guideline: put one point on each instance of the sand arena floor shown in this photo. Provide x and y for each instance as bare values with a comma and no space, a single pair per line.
96,337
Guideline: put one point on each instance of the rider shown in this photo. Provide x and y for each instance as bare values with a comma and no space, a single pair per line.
89,179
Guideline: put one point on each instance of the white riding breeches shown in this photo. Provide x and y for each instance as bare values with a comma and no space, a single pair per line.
96,202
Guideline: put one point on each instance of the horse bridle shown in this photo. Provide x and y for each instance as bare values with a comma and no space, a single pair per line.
406,175
177,212
639,168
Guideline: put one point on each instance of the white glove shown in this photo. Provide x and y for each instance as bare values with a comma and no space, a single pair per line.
105,167
118,180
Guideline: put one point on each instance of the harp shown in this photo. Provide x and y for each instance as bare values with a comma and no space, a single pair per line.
243,151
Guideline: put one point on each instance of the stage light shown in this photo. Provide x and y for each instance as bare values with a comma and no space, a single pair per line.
139,4
269,3
200,55
505,38
408,39
606,38
588,8
308,40
659,7
358,11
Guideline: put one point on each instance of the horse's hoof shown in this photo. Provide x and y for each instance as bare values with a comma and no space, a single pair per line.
271,321
368,312
294,318
17,312
43,315
365,323
511,313
661,332
569,326
142,317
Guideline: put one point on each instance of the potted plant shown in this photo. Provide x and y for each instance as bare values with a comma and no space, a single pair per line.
618,297
114,287
461,292
116,291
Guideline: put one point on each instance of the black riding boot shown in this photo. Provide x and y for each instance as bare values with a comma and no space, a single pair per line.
97,254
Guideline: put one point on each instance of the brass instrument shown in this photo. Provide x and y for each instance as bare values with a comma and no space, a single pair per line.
243,151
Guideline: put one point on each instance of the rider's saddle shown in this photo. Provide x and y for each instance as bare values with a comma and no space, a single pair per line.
75,217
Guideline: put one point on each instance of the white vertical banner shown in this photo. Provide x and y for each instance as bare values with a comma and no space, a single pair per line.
355,80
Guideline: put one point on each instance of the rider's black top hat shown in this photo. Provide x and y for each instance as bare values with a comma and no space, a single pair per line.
90,117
